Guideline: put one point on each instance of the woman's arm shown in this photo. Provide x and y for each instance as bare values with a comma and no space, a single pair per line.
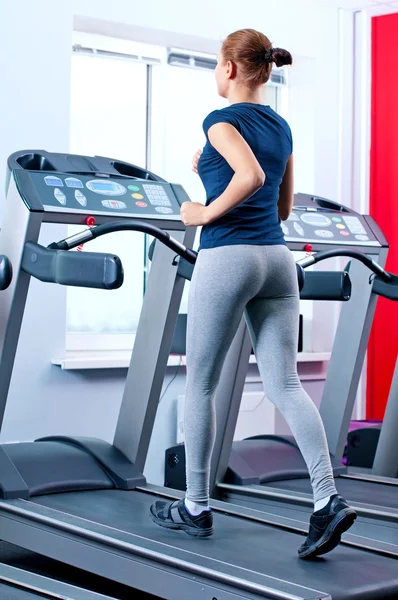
286,193
248,175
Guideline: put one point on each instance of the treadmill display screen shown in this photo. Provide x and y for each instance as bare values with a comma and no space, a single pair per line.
99,187
102,186
316,220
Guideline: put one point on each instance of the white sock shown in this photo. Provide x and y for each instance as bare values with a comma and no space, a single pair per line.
322,503
195,509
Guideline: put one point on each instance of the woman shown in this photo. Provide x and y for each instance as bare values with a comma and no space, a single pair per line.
244,264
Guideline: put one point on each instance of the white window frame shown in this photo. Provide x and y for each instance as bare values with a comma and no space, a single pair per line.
154,56
360,72
355,122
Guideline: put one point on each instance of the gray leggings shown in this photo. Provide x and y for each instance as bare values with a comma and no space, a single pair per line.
261,280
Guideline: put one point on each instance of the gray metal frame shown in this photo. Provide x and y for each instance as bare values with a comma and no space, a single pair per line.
150,353
19,226
227,401
348,355
386,457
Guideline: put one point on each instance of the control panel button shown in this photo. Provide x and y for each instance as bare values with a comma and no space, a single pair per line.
340,226
133,188
362,238
354,225
324,233
60,196
157,194
298,228
336,219
115,204
163,210
137,196
81,198
55,181
345,232
73,182
293,217
141,204
284,229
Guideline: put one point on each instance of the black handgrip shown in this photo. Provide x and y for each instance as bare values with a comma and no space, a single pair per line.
337,252
326,285
80,269
90,234
300,276
387,290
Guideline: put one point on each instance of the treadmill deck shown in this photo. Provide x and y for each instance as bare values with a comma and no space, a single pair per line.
263,557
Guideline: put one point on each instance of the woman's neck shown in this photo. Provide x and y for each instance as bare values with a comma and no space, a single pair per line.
241,94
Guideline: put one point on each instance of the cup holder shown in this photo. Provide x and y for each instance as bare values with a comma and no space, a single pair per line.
328,205
134,171
35,162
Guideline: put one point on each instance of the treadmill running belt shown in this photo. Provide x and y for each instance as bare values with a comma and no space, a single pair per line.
385,531
262,549
352,490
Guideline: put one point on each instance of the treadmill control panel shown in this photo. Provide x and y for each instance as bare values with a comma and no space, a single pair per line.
134,198
313,226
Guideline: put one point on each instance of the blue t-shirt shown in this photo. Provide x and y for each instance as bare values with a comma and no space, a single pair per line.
256,220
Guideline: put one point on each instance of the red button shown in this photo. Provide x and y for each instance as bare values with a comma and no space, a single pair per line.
90,221
344,233
141,204
308,248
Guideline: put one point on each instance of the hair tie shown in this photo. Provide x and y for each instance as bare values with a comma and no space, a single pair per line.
269,55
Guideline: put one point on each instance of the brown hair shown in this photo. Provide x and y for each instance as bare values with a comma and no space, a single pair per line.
253,54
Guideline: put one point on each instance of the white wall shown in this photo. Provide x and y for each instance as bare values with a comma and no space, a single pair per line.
35,40
35,51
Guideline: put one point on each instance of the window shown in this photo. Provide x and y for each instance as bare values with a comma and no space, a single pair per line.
128,101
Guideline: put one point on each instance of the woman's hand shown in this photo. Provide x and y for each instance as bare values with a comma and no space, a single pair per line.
194,213
195,160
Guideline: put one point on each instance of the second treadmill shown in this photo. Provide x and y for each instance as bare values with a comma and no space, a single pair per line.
269,473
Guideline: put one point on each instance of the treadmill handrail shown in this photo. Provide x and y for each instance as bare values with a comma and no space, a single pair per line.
133,225
336,252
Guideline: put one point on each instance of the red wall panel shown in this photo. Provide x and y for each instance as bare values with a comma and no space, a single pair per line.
383,347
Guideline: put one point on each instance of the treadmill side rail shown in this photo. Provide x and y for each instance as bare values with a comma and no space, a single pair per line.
32,584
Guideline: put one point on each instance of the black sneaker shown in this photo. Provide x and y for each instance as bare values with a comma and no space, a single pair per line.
326,527
174,515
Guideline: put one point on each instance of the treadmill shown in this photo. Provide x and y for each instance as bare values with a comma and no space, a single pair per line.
268,472
85,502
